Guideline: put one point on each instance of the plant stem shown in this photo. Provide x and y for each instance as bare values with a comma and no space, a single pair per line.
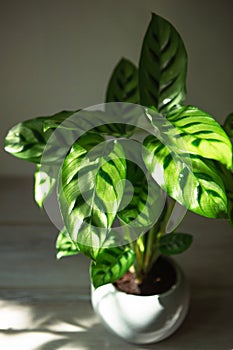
150,253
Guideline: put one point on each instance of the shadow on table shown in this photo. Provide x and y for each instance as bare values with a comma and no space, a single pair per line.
73,325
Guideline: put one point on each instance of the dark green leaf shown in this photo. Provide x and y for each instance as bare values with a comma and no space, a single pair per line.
227,178
123,85
228,125
174,243
162,67
111,265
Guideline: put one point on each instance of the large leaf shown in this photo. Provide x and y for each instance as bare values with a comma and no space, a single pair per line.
91,189
162,67
200,134
189,179
92,121
65,246
111,265
174,243
27,140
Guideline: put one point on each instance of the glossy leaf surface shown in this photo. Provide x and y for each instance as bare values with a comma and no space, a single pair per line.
91,189
111,265
65,246
162,67
123,84
94,121
174,243
200,134
146,203
193,182
27,140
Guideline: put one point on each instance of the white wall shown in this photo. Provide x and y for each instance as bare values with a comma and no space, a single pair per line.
59,54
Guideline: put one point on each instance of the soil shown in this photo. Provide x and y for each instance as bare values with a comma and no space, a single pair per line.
160,279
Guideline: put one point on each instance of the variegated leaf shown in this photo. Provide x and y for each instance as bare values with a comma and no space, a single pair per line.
65,246
200,134
146,203
111,265
189,179
27,140
162,67
123,84
91,189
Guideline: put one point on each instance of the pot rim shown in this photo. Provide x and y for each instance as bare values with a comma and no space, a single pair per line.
179,277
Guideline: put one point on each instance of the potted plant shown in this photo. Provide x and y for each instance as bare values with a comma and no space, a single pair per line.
126,172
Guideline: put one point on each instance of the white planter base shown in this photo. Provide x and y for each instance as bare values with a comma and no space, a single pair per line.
143,319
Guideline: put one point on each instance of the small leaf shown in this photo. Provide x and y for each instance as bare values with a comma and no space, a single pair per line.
123,85
227,177
44,183
65,246
174,243
162,67
111,265
228,125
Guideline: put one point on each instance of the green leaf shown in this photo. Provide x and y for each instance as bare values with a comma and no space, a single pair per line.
27,140
163,66
123,84
111,265
91,189
227,178
44,183
200,134
147,200
123,87
91,121
228,125
174,243
65,246
189,179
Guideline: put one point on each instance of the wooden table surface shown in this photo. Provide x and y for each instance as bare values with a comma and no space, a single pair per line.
45,304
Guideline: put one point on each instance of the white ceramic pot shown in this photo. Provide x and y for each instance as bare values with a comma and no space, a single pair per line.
143,319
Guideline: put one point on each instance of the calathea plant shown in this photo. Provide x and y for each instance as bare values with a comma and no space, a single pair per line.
184,159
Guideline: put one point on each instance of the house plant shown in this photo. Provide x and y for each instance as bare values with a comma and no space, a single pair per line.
183,160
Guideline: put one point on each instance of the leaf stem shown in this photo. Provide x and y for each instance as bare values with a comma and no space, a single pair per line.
151,252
